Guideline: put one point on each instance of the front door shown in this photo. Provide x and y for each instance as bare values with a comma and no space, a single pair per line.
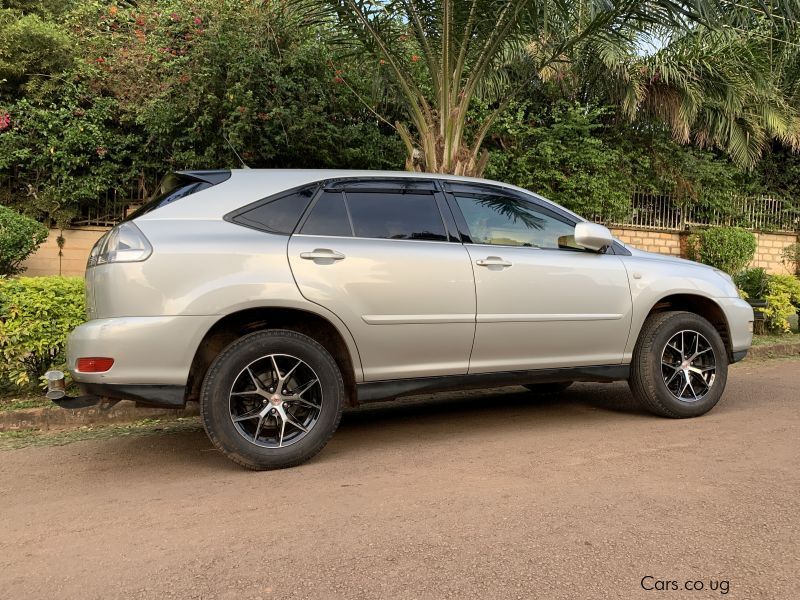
382,261
542,302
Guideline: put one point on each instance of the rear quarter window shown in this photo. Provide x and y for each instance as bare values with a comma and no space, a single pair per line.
278,214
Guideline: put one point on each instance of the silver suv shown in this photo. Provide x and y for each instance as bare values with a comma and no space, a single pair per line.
276,298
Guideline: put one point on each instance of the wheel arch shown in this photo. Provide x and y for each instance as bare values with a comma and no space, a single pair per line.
236,324
700,305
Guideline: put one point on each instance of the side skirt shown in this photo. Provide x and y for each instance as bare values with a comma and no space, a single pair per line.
378,391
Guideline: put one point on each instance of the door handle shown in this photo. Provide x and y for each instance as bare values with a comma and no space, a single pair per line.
322,254
492,261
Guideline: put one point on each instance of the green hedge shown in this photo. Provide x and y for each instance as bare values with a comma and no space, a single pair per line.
36,315
20,236
729,249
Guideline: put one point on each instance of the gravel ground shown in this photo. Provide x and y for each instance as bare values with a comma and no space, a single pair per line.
493,494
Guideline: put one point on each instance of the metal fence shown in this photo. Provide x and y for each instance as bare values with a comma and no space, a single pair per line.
647,211
664,212
115,204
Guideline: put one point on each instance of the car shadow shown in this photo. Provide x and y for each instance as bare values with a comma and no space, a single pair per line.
372,426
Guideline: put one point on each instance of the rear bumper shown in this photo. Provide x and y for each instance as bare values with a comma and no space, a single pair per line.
147,351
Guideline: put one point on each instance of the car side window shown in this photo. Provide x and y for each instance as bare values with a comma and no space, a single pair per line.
395,216
502,220
279,215
328,217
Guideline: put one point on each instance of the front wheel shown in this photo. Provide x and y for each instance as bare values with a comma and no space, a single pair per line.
272,399
680,365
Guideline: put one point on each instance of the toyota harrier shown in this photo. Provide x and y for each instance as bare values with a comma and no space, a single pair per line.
275,298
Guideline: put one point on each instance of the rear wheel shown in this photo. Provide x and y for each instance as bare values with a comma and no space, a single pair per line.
272,399
548,388
680,365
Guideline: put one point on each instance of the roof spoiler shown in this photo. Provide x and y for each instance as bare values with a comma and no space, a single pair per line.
213,177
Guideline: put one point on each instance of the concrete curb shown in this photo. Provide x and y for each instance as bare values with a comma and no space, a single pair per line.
774,350
53,417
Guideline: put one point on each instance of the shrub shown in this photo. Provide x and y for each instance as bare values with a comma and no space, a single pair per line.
790,256
36,315
753,282
783,300
20,236
728,249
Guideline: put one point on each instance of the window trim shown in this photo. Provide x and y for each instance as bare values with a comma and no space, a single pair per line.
234,214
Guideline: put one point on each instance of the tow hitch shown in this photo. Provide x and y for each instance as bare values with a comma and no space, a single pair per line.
56,391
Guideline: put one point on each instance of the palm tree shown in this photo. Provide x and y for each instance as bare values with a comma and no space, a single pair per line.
717,88
443,54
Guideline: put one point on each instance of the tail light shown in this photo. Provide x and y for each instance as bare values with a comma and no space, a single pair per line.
124,243
94,364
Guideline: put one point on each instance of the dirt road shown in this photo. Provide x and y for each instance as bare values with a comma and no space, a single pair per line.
482,495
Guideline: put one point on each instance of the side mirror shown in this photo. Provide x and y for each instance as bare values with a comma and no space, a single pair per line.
592,236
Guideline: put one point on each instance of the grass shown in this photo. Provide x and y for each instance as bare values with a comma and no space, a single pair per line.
775,338
22,438
18,401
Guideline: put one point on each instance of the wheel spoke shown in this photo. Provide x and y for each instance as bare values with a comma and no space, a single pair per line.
256,380
283,428
295,423
258,428
674,375
290,371
247,416
305,402
305,388
275,367
691,387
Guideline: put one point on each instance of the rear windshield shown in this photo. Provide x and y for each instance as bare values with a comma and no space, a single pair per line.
174,187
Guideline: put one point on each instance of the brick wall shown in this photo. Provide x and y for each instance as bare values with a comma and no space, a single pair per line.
768,253
651,241
77,245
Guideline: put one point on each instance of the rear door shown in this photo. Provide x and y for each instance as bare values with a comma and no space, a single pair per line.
542,301
380,255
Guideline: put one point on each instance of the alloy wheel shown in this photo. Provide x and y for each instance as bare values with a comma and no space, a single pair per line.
688,366
275,401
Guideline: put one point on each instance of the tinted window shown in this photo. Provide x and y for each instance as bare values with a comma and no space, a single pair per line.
279,215
395,216
328,217
505,221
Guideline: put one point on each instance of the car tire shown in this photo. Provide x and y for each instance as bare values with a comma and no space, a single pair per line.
680,365
548,388
263,420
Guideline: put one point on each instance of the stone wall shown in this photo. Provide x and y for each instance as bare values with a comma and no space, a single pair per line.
78,243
